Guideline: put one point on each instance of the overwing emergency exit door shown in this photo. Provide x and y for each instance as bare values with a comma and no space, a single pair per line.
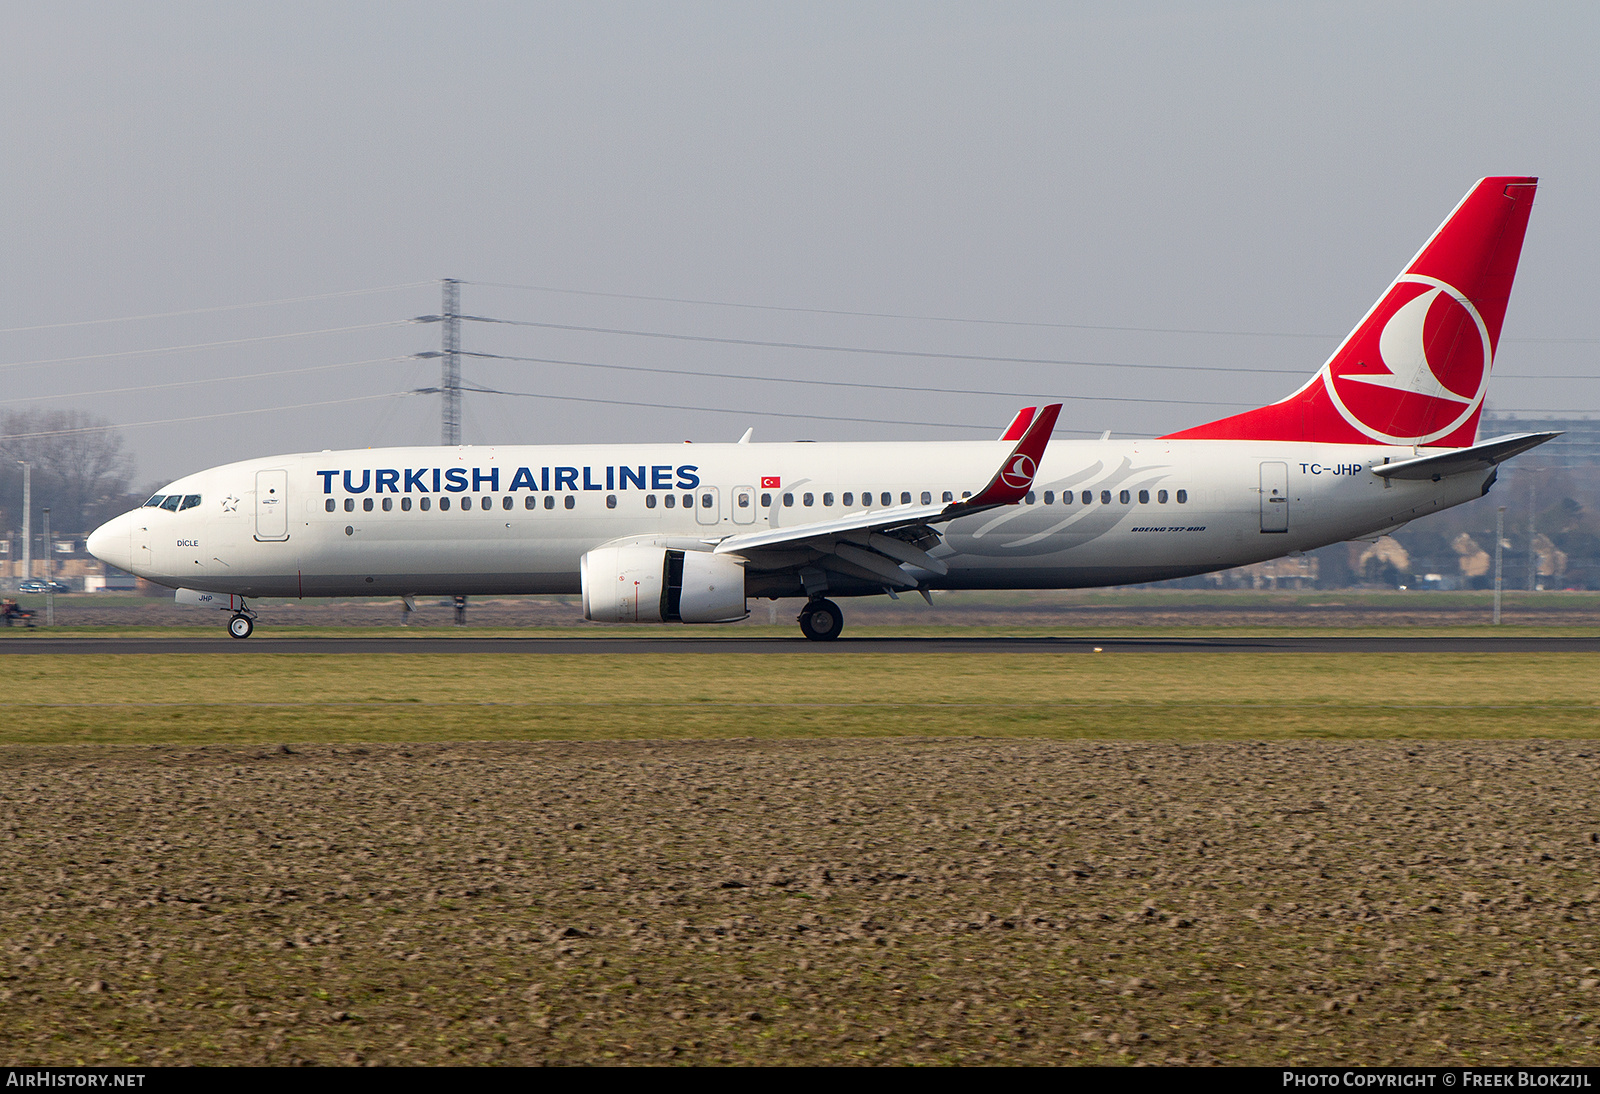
1274,497
708,508
272,505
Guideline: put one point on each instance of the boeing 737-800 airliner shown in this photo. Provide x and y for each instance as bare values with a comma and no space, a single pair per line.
1384,432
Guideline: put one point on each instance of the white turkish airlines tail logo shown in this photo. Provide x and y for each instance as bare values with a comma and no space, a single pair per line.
1019,474
1409,402
1405,354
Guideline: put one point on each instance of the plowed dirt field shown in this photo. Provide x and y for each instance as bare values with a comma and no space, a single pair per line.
794,901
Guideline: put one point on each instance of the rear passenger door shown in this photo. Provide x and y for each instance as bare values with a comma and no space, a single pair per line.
1274,497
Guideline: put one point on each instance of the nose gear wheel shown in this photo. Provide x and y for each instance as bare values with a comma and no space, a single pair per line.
243,622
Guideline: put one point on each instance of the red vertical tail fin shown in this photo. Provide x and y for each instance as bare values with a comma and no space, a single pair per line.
1416,368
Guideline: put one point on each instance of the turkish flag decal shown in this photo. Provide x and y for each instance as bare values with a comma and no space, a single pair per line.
771,482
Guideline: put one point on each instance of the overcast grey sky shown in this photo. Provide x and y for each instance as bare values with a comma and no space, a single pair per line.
1257,168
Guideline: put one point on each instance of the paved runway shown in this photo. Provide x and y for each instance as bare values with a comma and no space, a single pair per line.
844,646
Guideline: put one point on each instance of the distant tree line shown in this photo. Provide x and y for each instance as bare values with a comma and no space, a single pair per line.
1552,533
80,470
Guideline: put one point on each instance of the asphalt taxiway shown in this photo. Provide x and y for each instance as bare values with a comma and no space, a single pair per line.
844,646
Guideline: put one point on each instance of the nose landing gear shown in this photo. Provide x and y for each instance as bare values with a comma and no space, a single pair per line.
243,622
821,620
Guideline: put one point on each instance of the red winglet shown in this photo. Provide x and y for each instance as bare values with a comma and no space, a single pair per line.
1019,424
1015,478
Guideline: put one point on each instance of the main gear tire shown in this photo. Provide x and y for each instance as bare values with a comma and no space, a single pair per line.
821,620
240,626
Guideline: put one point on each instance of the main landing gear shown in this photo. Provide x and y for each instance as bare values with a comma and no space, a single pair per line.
821,620
242,623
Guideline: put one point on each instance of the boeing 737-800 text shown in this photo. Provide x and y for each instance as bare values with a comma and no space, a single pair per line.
1383,433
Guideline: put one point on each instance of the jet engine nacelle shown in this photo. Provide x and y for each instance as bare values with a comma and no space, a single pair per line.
656,585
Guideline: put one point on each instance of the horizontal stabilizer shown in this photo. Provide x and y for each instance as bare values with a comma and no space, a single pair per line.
1480,457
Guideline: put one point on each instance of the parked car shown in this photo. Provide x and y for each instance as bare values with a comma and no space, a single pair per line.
34,585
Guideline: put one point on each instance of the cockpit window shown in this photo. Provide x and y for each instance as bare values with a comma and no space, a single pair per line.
155,501
171,504
190,501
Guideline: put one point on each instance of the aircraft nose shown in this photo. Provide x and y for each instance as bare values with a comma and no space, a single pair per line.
112,542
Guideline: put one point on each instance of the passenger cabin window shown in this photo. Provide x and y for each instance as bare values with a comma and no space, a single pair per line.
670,501
905,497
827,499
405,504
1123,497
808,500
611,501
847,498
1144,497
927,497
507,502
466,504
329,505
366,504
549,501
1161,497
1030,497
949,497
1049,497
1183,496
688,501
649,501
444,505
707,501
1105,497
886,498
766,501
388,504
349,505
788,501
424,504
1088,496
571,501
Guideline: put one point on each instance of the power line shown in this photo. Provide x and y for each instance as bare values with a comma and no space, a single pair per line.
203,345
204,417
952,318
728,410
847,383
218,308
983,358
210,380
893,315
902,352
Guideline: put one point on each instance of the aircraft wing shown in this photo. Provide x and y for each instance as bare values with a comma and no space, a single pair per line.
1480,457
877,541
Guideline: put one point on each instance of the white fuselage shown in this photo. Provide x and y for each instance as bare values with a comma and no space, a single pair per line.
518,519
